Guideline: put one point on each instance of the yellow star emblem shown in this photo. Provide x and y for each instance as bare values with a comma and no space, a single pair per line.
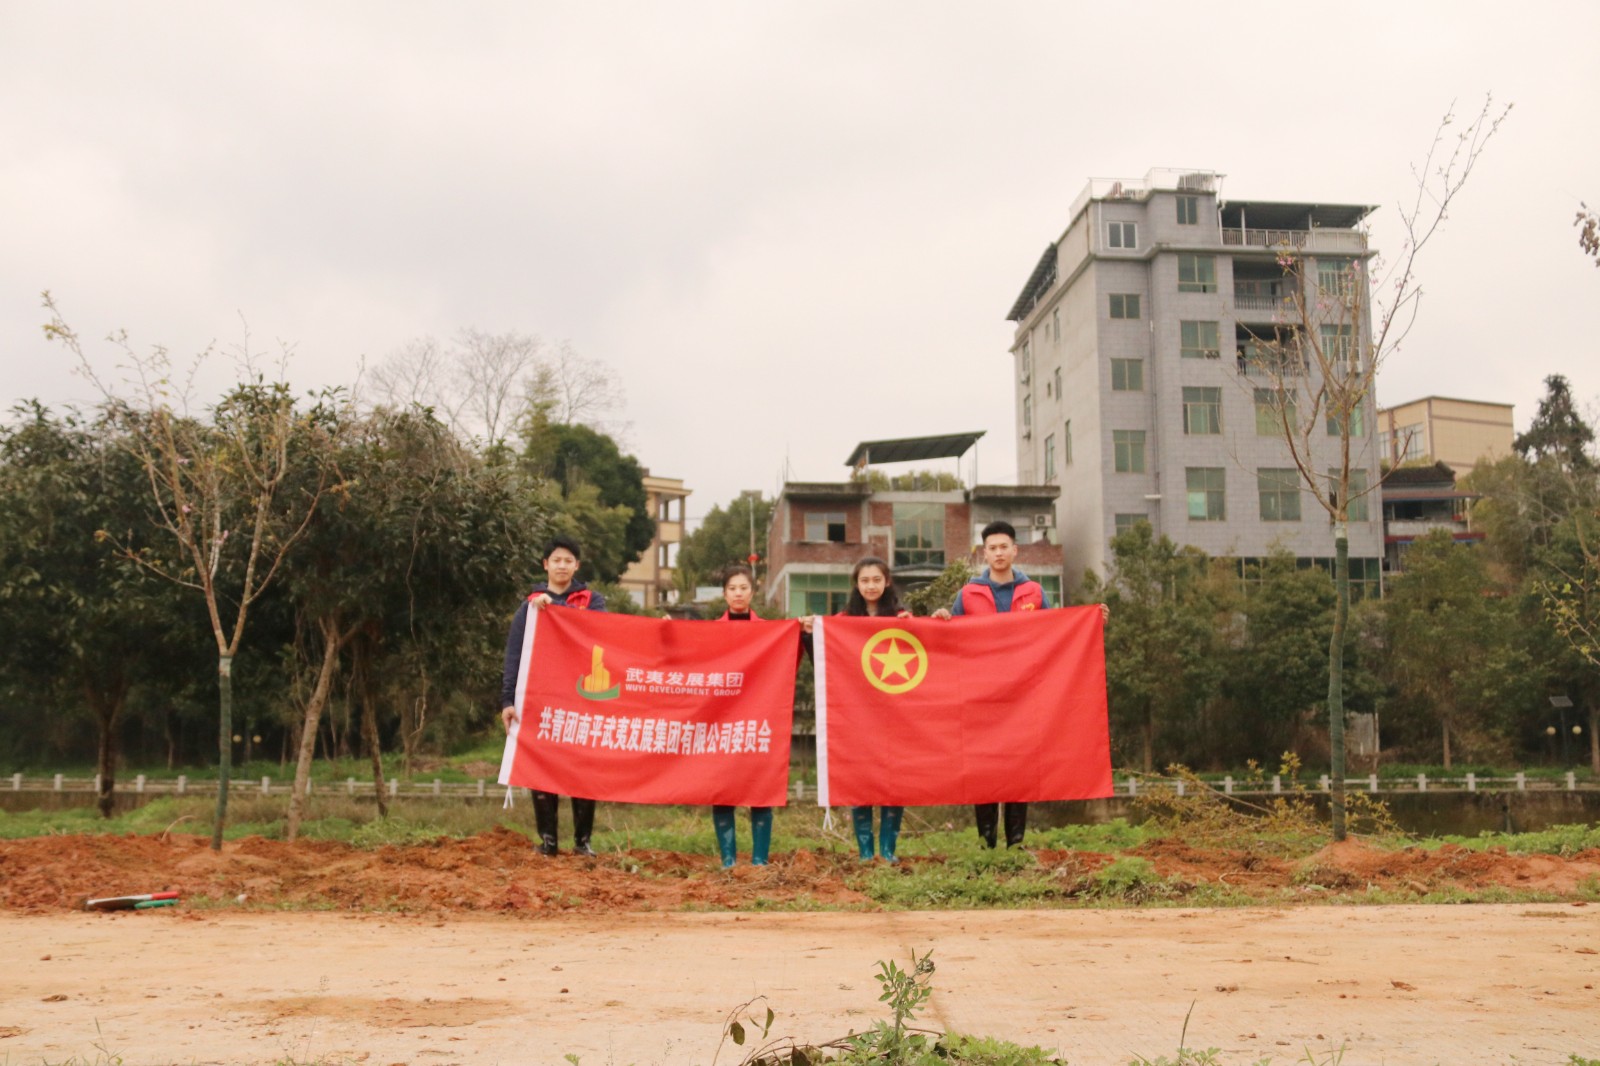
891,668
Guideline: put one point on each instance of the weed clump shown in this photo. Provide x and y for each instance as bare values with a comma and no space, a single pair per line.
1184,805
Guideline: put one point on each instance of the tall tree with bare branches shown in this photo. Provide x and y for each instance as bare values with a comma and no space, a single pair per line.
217,491
1340,319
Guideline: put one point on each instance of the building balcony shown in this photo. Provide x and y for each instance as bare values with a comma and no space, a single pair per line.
1348,242
1421,527
1259,305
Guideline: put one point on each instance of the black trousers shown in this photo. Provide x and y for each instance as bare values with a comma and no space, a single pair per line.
987,816
547,817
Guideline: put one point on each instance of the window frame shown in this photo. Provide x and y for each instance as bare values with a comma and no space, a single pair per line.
1118,231
923,527
1196,282
1207,492
1198,349
1279,492
1122,302
1120,369
1127,451
1188,205
1267,422
1202,411
826,525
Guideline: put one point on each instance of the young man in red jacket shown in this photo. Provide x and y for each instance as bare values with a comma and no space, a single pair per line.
1000,589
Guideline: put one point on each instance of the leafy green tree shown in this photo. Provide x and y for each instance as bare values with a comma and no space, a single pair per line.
573,457
724,537
1449,663
79,627
1557,430
1163,641
458,537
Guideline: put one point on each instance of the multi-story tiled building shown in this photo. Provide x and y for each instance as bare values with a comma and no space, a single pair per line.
1140,337
820,529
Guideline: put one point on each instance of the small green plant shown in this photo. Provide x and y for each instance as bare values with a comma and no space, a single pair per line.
1131,878
906,992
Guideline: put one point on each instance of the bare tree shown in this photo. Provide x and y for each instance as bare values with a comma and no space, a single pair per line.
1337,326
419,374
491,369
217,491
571,389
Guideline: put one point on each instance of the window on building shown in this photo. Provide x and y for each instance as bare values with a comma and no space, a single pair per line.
1339,346
1056,375
1127,375
1051,583
1198,340
1124,305
1049,456
1279,489
1027,416
1066,443
918,534
1336,277
1414,440
1358,424
1197,273
1205,489
1269,404
1365,574
1188,210
818,593
825,526
1125,522
1202,410
1026,366
1358,512
1122,235
1055,324
1128,448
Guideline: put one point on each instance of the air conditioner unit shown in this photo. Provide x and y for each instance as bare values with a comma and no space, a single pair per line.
1044,521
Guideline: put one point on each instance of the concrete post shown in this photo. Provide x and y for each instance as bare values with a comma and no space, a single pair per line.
1277,784
437,786
394,787
1422,782
1133,787
183,783
1372,782
1522,781
1472,781
1572,781
350,786
1323,781
138,784
1227,785
266,785
480,786
96,783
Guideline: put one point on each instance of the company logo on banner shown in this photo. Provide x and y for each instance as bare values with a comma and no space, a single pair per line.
596,684
894,661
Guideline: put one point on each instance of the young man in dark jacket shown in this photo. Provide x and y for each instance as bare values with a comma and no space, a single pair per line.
561,588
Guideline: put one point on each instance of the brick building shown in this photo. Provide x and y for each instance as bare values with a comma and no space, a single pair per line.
919,523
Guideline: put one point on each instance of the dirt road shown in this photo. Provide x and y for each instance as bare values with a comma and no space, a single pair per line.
1394,985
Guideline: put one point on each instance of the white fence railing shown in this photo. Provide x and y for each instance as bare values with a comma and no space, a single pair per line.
1128,786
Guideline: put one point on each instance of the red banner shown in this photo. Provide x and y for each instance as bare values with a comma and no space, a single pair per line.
644,710
980,709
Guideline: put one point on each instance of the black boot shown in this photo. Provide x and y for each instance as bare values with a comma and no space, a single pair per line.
546,814
1016,824
987,816
582,825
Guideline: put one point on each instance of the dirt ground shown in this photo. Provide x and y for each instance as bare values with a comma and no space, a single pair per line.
478,951
496,872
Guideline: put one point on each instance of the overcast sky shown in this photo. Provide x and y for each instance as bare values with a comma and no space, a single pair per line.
788,226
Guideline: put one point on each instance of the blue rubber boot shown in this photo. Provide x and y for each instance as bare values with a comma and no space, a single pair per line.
727,841
862,817
889,832
760,834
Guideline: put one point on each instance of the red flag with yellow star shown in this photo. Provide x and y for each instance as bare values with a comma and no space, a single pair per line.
980,709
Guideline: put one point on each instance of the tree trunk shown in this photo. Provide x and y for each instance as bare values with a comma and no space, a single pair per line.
1447,745
1594,738
1341,616
107,707
332,643
224,745
1147,738
369,725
